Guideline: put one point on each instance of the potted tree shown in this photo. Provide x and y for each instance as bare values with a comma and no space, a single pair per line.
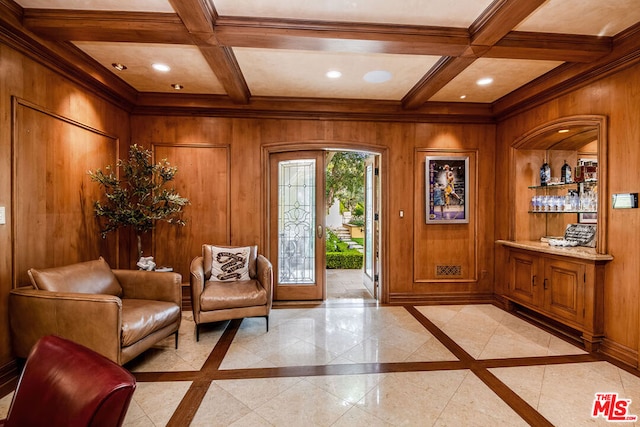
138,197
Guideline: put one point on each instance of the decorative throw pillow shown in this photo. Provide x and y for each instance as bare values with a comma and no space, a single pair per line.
229,264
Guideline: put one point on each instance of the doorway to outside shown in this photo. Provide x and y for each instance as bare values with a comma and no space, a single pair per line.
352,225
324,250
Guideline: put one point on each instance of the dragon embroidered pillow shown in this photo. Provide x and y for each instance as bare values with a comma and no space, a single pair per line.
229,264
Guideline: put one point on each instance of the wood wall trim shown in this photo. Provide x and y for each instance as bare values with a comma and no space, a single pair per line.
311,109
60,60
571,76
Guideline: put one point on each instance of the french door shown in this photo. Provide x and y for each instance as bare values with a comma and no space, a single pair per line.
372,225
296,224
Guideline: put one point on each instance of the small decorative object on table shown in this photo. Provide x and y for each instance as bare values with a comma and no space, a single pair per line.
146,263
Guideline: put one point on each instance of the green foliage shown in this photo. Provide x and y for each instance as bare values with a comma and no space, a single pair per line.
339,255
138,198
358,210
345,179
343,260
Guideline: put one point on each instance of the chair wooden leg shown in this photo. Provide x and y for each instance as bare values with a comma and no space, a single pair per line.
176,340
267,318
197,332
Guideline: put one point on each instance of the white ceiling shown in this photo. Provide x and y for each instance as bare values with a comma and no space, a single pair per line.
301,73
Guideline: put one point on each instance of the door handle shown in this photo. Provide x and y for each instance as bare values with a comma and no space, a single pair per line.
319,231
545,283
533,280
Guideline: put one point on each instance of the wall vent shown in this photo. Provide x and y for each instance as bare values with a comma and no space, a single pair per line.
448,270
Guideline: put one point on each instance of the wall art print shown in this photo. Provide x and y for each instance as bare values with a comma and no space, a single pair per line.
446,182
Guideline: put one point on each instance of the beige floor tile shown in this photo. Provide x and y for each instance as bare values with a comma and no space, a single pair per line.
251,420
303,405
414,399
5,402
155,402
350,388
567,391
474,404
189,356
219,408
256,392
356,417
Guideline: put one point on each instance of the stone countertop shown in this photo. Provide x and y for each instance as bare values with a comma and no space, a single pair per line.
543,247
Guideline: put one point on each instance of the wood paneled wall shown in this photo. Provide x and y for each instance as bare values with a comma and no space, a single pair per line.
202,177
617,98
59,131
409,246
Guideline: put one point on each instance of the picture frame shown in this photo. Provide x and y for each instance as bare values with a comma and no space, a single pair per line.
447,189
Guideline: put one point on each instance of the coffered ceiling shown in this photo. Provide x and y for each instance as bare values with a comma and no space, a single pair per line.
411,52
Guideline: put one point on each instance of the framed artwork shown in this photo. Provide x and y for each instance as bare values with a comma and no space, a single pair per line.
447,188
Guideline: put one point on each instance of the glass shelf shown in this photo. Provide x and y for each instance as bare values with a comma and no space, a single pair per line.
567,185
562,212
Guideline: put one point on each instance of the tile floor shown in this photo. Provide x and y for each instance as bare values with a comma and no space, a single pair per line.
351,362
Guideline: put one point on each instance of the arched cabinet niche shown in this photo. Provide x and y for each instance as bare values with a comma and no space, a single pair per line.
575,139
564,284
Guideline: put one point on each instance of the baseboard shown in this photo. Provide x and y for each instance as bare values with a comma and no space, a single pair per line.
9,373
619,352
441,298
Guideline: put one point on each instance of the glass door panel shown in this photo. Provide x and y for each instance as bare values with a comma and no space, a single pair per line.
297,224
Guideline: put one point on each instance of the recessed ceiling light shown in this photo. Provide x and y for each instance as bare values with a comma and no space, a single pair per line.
177,86
118,66
463,96
377,76
161,67
563,131
334,74
484,81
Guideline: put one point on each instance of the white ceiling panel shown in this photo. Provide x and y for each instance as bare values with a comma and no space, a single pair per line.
586,17
302,73
507,75
447,13
188,66
112,5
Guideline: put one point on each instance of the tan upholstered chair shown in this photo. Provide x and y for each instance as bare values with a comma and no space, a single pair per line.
214,301
117,313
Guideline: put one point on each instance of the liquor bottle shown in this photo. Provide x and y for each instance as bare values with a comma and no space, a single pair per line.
565,174
545,174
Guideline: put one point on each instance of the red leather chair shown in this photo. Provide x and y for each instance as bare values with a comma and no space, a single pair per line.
64,384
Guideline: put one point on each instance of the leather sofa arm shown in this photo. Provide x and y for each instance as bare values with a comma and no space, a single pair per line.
265,276
93,320
151,285
196,282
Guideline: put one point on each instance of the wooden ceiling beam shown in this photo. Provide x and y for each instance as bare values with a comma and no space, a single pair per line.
132,27
438,76
344,37
550,47
199,18
225,66
500,19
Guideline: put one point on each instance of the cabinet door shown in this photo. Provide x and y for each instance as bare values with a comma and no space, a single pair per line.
524,280
564,289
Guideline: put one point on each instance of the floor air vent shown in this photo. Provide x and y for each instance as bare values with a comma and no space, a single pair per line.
448,270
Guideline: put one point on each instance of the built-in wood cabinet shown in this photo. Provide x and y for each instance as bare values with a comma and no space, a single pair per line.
566,286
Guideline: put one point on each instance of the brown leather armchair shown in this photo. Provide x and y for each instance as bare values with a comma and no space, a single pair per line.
65,384
214,301
117,313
